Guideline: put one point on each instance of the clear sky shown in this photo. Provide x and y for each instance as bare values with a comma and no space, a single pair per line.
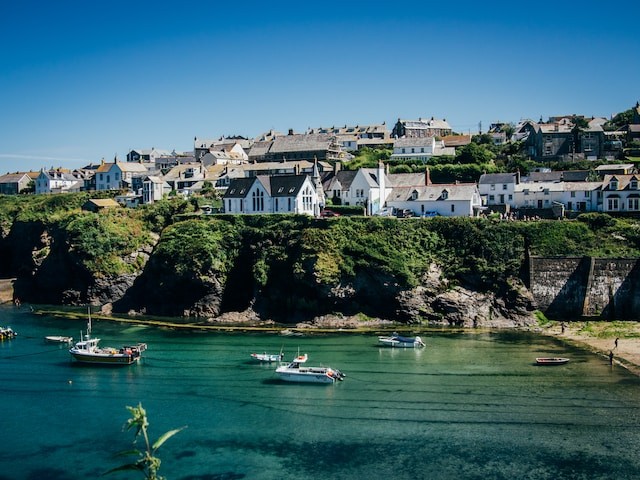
84,80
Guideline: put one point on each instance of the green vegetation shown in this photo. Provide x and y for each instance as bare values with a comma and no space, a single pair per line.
148,463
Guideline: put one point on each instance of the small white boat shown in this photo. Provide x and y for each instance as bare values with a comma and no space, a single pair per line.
88,351
7,332
58,339
398,341
297,371
268,357
551,360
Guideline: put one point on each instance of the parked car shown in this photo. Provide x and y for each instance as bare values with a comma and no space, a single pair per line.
386,212
430,214
329,213
405,213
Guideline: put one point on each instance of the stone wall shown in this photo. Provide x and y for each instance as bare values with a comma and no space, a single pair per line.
573,287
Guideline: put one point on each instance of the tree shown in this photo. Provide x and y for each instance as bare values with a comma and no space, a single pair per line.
474,153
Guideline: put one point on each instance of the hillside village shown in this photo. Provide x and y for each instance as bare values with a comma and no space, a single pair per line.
317,172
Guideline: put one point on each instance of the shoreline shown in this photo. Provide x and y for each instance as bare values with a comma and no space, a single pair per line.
600,338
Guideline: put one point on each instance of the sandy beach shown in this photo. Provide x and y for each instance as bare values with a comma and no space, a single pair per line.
600,337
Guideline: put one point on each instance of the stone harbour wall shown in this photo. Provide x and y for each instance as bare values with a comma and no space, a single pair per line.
574,287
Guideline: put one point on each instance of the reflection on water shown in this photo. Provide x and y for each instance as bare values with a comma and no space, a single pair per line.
466,406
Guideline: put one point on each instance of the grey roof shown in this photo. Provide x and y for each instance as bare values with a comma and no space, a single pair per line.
12,177
555,176
407,179
286,185
239,187
301,143
463,191
491,178
344,177
414,142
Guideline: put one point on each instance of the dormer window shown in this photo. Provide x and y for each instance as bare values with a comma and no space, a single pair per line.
633,184
445,194
414,195
613,184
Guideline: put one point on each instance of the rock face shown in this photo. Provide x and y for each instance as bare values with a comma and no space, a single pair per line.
49,272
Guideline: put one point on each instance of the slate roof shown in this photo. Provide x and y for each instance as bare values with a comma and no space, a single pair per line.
494,178
239,187
406,179
414,142
286,185
462,191
301,143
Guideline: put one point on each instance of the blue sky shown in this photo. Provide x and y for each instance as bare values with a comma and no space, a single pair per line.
81,80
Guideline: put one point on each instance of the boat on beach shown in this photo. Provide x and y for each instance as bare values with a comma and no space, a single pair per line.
398,341
268,357
297,371
88,351
58,339
551,360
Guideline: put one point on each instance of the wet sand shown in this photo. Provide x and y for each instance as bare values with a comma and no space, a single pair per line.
600,337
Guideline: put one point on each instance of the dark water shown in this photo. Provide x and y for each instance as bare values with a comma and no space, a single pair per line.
468,406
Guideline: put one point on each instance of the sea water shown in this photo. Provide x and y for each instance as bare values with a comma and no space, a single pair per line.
468,406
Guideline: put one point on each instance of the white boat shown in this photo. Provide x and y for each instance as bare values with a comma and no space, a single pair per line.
58,339
297,371
551,360
399,341
7,332
268,357
88,351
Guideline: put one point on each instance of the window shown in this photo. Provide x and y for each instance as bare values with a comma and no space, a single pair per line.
633,184
573,194
546,191
307,199
633,204
257,199
453,208
493,187
613,204
510,197
504,186
587,194
492,198
613,184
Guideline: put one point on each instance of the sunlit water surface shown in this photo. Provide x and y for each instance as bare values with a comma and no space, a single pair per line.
468,406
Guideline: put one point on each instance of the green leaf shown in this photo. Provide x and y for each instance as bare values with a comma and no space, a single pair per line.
166,437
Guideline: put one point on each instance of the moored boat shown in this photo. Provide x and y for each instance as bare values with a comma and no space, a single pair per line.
399,341
297,371
268,357
7,332
88,351
551,360
58,339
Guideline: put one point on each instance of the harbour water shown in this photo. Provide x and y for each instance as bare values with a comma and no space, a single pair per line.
468,406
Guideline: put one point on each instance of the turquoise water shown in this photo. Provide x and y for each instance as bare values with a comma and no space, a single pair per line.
468,406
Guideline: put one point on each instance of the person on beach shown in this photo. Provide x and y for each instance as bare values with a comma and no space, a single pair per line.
616,343
610,357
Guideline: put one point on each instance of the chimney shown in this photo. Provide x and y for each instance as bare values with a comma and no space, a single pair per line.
518,177
427,177
336,167
291,131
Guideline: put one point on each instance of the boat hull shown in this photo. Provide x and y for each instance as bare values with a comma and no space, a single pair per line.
551,361
395,342
105,359
306,377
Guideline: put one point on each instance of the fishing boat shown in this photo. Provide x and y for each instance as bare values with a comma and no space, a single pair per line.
88,351
297,371
58,339
551,360
398,341
7,332
268,357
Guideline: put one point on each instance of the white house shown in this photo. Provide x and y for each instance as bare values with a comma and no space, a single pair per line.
419,149
119,175
447,200
272,194
183,177
368,187
154,189
621,193
498,188
55,181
